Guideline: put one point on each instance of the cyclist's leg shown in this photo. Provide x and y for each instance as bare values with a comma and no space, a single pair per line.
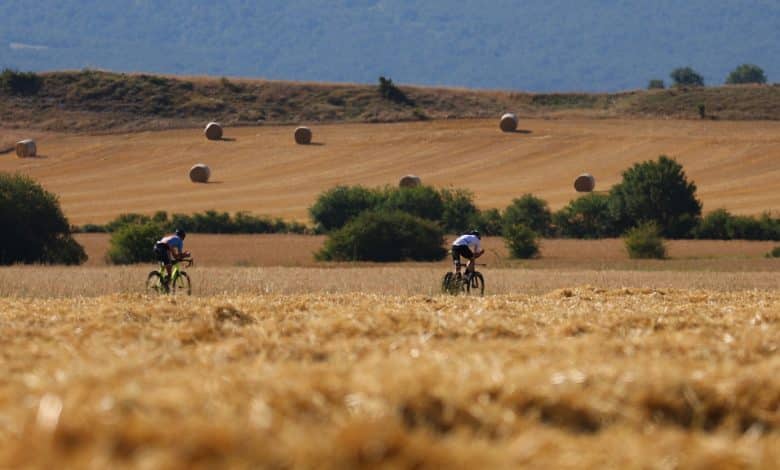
456,258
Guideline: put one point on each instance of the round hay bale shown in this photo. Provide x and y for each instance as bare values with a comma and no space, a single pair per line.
303,136
509,122
213,131
26,148
200,173
410,181
585,183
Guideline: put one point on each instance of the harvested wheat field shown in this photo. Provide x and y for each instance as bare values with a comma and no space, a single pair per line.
581,377
262,171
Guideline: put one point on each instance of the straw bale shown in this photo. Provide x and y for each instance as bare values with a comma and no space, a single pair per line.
410,181
213,131
200,173
585,183
509,122
303,136
26,148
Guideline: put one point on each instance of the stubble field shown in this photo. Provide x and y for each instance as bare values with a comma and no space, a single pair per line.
261,170
582,358
576,377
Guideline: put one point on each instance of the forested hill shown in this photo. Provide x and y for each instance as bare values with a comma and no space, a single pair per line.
531,45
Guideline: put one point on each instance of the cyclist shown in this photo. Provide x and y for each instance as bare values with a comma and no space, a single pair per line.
168,245
468,246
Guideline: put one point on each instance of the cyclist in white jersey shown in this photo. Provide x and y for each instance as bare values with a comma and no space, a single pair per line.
170,245
468,246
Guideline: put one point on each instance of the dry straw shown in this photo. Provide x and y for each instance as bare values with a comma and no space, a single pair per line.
213,131
509,122
303,136
410,181
585,183
26,148
200,173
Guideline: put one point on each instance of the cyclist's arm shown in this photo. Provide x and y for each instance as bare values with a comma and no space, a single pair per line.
479,251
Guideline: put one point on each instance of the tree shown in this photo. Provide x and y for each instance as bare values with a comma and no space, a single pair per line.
746,73
587,217
390,92
460,213
656,84
686,76
385,237
530,211
422,201
656,191
34,229
337,206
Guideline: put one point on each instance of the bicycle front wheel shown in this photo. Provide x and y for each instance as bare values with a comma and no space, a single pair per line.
476,284
154,284
181,285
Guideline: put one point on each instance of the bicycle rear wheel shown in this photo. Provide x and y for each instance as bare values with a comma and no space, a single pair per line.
181,285
154,284
447,283
475,285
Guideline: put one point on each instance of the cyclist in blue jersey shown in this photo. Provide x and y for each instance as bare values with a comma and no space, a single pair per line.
468,246
170,245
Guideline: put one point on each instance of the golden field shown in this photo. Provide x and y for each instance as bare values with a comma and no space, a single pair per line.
262,171
298,250
576,377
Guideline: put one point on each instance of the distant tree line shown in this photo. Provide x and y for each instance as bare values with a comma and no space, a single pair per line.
687,76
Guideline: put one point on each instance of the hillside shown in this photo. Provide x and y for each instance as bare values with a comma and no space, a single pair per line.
534,45
100,101
261,170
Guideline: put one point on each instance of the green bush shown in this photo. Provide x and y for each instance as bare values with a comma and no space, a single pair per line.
645,242
385,236
587,217
746,73
337,206
686,76
656,84
489,222
134,243
521,241
715,226
775,253
20,83
722,225
423,201
656,191
459,213
34,229
530,211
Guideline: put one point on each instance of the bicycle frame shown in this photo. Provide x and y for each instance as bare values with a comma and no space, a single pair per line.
175,269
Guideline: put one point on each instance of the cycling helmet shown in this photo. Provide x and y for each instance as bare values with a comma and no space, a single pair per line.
180,233
475,233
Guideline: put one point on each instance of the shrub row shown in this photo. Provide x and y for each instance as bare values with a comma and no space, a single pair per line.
206,222
453,209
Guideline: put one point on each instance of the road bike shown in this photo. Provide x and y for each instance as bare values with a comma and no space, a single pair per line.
178,284
470,283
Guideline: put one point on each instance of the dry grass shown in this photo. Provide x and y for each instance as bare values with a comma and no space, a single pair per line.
401,279
264,172
298,250
582,377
